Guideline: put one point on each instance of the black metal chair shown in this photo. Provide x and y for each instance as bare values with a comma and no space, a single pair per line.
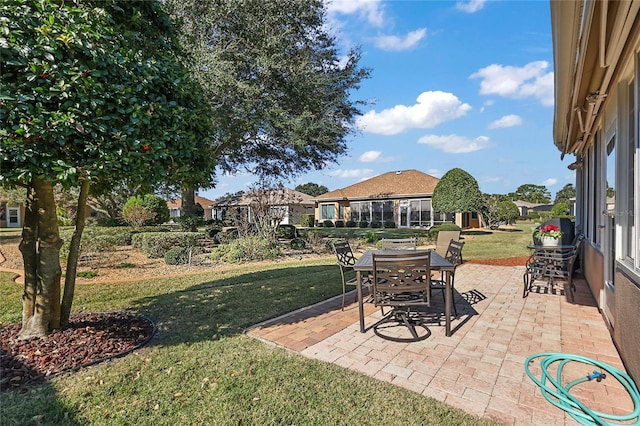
346,259
453,255
401,282
550,264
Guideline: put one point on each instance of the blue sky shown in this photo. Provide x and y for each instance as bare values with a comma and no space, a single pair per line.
465,84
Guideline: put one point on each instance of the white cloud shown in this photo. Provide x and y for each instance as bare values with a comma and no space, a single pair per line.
518,82
510,120
431,109
371,10
470,6
549,182
351,173
370,156
374,157
454,144
392,42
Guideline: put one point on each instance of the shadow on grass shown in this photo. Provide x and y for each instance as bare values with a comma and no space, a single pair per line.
224,307
35,404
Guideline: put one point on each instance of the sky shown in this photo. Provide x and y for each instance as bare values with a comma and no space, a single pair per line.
454,84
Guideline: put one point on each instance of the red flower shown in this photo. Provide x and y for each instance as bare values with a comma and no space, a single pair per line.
146,147
43,76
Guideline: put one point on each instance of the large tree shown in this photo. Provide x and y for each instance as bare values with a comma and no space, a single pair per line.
457,192
532,193
565,194
312,189
91,94
279,87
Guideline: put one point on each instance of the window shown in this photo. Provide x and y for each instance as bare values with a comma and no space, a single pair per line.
341,212
627,202
354,215
327,211
372,211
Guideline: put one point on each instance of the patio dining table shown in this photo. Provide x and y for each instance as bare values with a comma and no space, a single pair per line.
438,263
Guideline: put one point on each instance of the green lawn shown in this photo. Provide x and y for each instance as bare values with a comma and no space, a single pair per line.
200,368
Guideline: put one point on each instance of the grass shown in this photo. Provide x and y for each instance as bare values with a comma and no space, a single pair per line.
201,369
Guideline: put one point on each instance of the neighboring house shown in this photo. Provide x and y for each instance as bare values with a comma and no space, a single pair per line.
176,204
525,207
597,100
284,203
402,197
11,216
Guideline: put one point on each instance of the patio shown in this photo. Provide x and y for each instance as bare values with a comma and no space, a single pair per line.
480,368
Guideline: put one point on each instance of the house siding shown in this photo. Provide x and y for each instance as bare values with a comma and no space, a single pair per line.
596,118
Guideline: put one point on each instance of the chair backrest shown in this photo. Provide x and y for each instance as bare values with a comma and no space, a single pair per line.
402,273
444,237
344,254
399,244
454,252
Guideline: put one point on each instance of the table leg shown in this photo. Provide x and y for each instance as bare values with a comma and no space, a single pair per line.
360,303
447,305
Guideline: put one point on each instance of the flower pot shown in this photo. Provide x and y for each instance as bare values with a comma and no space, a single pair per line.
550,241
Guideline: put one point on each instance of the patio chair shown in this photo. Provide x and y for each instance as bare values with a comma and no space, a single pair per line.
453,255
401,282
550,265
346,259
399,244
444,237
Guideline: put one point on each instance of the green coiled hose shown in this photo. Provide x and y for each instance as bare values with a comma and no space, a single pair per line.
559,395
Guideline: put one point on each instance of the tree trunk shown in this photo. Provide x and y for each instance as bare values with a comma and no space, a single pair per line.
40,249
74,252
188,202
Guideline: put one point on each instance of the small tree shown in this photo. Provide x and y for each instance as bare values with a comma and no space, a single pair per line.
137,215
457,192
154,205
499,209
269,205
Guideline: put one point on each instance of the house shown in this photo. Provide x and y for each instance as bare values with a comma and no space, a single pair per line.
402,197
287,205
11,215
597,98
176,204
525,207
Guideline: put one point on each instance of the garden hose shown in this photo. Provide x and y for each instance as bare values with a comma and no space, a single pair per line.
559,395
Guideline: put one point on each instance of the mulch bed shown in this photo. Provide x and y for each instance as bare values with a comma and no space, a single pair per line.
90,338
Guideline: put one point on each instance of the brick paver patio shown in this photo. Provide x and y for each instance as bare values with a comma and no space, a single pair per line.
480,368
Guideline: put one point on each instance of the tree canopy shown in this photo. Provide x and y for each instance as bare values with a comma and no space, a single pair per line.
279,88
565,194
91,93
531,193
312,189
457,192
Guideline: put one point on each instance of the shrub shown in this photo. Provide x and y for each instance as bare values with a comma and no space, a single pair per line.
87,274
156,244
246,249
371,237
287,231
351,224
389,224
339,223
110,221
176,256
363,224
328,223
307,220
190,223
376,224
298,244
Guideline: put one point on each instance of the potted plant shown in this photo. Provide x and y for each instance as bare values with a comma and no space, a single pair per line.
549,235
